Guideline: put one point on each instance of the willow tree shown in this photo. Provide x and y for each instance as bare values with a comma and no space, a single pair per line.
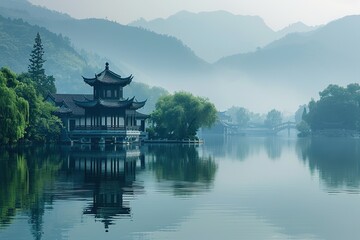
44,84
14,110
180,115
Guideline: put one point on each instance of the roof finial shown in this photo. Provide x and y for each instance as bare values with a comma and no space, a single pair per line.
107,66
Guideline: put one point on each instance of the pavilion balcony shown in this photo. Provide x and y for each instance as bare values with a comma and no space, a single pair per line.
111,128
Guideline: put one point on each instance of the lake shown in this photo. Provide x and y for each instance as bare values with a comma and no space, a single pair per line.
226,188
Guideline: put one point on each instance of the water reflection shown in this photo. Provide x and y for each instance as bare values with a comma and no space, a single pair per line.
25,175
108,174
33,179
37,176
336,159
183,166
241,148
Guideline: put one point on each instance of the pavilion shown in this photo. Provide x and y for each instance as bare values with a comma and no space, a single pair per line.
104,116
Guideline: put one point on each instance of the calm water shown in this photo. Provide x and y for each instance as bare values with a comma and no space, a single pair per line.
235,188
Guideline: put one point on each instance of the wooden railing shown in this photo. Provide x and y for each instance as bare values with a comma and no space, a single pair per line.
88,128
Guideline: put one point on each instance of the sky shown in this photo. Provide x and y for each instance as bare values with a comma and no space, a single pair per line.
276,13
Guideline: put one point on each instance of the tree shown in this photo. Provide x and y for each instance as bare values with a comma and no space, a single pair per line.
14,110
273,118
43,125
304,129
180,115
36,70
239,115
242,117
338,108
300,113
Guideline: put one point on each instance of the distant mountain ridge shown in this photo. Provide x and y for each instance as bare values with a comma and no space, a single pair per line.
222,32
152,57
283,74
307,61
62,61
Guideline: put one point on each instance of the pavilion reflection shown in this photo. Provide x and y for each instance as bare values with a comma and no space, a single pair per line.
108,174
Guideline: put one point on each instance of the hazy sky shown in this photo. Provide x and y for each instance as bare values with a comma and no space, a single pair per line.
276,13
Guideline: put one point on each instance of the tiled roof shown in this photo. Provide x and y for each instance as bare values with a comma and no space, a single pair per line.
127,103
68,99
108,77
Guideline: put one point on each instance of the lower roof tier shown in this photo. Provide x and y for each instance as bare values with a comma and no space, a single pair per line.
125,104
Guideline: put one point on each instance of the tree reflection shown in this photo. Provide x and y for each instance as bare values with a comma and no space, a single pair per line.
182,165
25,173
336,160
273,146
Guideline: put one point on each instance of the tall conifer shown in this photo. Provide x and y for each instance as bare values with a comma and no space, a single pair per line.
36,69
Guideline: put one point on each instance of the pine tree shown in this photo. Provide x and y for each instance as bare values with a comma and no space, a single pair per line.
36,70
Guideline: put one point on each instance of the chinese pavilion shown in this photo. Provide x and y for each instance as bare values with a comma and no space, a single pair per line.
104,116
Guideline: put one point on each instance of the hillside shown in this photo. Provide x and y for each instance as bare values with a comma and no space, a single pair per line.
222,32
153,58
62,61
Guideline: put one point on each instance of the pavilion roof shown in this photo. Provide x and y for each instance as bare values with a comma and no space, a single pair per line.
108,77
122,103
65,103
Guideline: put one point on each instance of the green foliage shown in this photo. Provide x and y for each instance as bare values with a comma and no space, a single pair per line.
180,115
43,125
304,129
14,110
23,112
36,69
44,84
273,118
338,108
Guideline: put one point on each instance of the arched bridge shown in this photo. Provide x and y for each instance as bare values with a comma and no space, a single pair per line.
283,126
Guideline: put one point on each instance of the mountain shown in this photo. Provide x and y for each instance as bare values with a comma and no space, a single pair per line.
282,74
307,62
153,58
222,32
297,27
62,61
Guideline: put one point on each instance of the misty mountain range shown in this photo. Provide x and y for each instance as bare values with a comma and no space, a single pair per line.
330,54
256,63
222,32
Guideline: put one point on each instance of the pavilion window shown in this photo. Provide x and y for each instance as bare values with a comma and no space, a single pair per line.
103,123
121,121
108,121
82,121
108,93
